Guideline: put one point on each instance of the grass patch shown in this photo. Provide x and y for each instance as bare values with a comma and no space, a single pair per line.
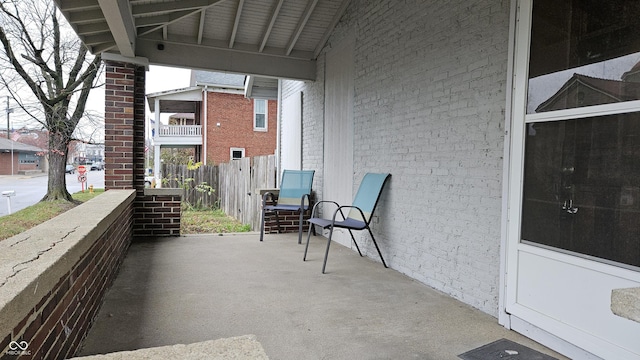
210,222
192,222
25,219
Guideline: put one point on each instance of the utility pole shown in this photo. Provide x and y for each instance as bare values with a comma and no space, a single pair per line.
9,111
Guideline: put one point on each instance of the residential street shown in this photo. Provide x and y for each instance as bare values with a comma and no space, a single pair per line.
30,189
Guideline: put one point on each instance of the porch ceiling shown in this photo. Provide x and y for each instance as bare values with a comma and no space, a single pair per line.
276,38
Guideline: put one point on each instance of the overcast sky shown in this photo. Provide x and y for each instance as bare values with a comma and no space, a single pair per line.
159,78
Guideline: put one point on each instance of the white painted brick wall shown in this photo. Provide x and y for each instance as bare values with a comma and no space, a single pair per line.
312,124
429,108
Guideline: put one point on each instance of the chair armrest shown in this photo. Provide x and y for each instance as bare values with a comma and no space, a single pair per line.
348,207
315,206
302,202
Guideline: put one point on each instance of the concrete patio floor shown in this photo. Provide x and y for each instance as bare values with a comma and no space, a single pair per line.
198,288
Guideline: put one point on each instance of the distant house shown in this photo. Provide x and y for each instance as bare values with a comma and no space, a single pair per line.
83,153
182,119
216,118
19,158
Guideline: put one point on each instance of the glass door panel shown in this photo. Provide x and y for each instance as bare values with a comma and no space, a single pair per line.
573,228
583,53
581,179
582,187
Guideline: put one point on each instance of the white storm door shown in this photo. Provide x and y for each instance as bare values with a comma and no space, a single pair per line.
574,188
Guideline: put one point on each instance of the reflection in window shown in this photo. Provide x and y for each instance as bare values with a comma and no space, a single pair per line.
583,52
582,186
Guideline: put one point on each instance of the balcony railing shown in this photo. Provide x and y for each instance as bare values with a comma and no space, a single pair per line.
181,130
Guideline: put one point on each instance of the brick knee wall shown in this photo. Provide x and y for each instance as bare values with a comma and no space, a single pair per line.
57,325
158,213
289,222
154,215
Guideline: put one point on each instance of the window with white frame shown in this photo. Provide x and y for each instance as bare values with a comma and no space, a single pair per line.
582,158
260,115
236,153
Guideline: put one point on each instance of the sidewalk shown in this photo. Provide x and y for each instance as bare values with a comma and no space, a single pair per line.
24,176
206,287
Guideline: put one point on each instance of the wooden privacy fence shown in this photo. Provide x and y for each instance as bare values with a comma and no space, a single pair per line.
237,185
194,183
240,182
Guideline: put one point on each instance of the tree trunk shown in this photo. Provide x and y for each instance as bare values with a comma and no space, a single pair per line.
57,184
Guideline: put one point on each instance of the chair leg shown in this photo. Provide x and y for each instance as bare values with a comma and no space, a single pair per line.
377,248
326,254
307,246
354,241
300,226
262,226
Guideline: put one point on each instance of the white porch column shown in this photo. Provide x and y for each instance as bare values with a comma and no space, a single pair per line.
156,148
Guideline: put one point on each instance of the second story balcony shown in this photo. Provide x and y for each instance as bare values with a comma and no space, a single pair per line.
179,135
180,130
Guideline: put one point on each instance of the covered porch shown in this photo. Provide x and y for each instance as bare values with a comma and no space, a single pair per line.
204,287
438,95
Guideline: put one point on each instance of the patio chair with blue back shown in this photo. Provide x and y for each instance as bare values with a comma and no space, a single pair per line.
359,217
295,192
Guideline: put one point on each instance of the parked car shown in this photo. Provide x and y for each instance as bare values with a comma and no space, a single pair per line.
97,166
70,169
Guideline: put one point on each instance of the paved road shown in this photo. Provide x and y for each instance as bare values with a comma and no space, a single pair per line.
31,189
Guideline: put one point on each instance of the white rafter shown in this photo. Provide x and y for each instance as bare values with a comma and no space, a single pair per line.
173,15
118,16
78,5
92,28
267,32
167,7
311,5
236,23
203,13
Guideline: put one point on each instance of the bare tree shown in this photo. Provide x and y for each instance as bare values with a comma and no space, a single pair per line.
44,56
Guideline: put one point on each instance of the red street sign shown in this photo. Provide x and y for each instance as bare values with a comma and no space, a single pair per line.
82,169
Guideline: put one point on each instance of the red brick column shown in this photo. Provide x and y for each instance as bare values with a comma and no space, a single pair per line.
124,115
119,117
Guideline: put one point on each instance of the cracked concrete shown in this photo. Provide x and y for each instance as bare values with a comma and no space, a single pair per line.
239,347
33,262
17,270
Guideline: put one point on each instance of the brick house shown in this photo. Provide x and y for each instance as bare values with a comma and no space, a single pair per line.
215,118
18,158
531,217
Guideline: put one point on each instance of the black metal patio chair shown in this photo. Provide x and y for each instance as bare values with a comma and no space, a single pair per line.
359,216
295,192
